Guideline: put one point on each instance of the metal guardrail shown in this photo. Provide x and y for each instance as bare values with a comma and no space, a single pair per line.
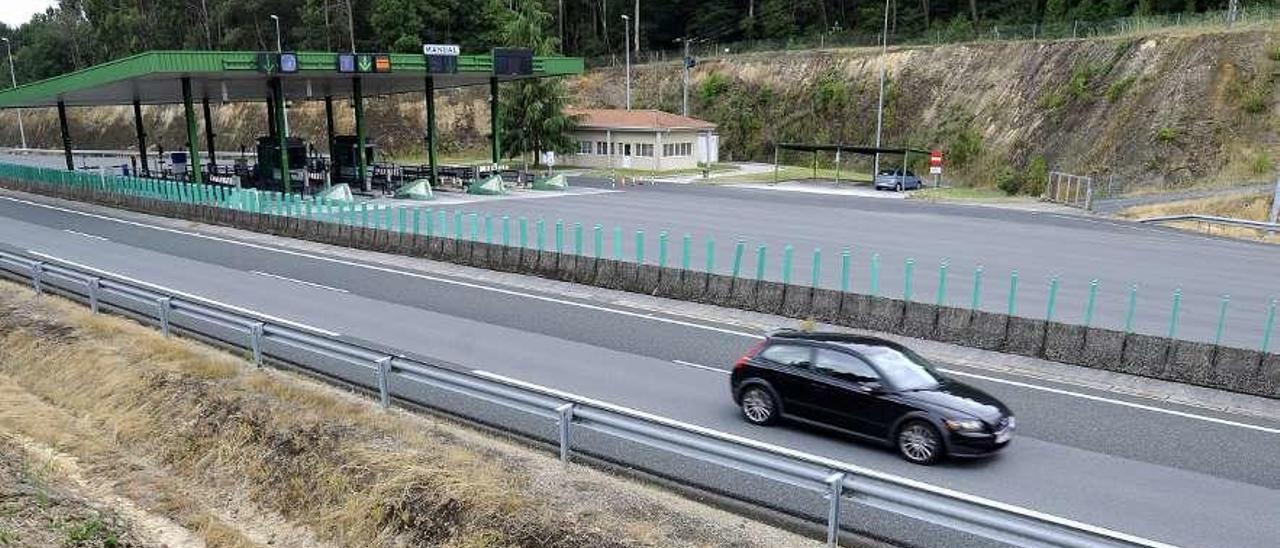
1213,219
576,425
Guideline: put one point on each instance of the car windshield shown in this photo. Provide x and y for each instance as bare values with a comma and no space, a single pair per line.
904,369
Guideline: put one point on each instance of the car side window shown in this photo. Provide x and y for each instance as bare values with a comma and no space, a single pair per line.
788,354
844,366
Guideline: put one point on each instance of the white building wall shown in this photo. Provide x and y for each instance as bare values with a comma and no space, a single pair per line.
670,142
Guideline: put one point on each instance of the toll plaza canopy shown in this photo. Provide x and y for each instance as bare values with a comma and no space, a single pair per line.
153,78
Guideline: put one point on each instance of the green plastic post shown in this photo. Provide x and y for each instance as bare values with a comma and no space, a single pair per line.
578,246
524,232
443,217
364,214
942,284
404,219
760,255
599,239
1271,324
977,289
662,248
846,266
457,225
1013,293
875,274
817,266
417,221
1222,319
738,251
474,219
686,253
541,227
1093,299
711,255
1173,318
506,230
488,228
909,287
430,216
639,246
1133,307
1053,299
559,235
617,243
788,254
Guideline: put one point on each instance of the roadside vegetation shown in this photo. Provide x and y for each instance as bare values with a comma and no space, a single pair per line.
235,456
1254,207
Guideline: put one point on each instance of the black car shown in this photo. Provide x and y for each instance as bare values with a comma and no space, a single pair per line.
871,388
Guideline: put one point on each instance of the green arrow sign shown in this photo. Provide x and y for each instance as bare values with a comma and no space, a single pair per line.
364,63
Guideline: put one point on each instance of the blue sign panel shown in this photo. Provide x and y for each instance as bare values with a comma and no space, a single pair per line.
346,62
288,62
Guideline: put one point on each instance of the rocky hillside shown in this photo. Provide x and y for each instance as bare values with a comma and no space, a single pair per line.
1168,109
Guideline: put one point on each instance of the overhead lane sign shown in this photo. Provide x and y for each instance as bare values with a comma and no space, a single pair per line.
441,58
441,49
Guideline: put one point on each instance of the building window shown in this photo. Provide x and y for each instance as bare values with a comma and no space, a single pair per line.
677,149
644,150
686,149
602,148
584,147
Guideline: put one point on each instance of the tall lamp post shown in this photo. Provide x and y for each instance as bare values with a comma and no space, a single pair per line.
626,46
280,49
14,79
884,50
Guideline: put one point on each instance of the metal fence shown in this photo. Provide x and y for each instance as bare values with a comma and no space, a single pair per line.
1068,189
805,485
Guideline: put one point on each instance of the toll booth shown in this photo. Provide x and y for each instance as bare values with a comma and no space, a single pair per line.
267,171
344,164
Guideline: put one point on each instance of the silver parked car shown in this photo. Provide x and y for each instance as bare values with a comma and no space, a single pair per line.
896,179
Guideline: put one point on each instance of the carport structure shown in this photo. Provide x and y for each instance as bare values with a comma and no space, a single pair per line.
172,77
906,153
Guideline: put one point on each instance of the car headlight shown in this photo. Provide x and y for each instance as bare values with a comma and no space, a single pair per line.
964,425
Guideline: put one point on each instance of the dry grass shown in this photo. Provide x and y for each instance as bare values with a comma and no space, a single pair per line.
1255,207
247,458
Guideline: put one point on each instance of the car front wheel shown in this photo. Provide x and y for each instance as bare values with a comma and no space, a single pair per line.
898,187
759,406
919,442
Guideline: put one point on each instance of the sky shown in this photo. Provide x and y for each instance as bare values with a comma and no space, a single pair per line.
17,12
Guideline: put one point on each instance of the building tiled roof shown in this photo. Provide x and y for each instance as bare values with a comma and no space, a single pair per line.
635,119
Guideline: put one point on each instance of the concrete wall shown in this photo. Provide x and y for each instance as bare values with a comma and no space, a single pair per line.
1237,369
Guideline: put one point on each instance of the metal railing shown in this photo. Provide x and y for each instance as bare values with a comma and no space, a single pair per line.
1068,189
1213,219
763,474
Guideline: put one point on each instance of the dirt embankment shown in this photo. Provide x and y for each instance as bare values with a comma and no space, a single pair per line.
191,448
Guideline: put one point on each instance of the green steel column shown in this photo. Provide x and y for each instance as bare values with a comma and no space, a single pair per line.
328,123
496,141
431,128
66,135
357,98
142,137
193,132
282,134
208,135
271,114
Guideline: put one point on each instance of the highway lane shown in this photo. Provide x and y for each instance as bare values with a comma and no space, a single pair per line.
1139,471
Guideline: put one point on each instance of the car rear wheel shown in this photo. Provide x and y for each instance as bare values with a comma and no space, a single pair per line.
898,187
919,442
759,405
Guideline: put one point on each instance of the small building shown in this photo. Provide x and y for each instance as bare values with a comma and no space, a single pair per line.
642,139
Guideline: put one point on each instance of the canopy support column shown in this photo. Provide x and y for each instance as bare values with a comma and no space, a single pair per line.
208,135
905,154
142,137
431,128
193,132
66,135
357,98
493,119
328,123
271,114
282,133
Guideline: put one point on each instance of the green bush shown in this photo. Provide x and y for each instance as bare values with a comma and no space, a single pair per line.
1167,134
1037,177
715,85
1008,181
965,148
1261,164
1274,54
1118,88
1254,100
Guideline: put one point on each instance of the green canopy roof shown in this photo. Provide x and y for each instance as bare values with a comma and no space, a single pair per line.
228,76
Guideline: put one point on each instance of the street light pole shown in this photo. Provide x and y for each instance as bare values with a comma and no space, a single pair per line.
884,49
626,46
280,49
14,79
684,109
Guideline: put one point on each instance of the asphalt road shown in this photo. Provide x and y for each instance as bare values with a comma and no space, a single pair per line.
1170,477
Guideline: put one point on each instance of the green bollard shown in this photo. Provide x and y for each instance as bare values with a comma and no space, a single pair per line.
1093,299
443,226
599,240
457,225
686,253
540,227
404,219
617,243
640,247
788,255
1133,307
475,226
976,302
817,266
578,245
488,229
524,232
908,289
1013,293
364,214
942,284
1271,324
662,249
1053,299
308,212
846,266
1173,318
417,221
1222,319
559,235
711,255
738,251
506,230
875,274
760,256
430,215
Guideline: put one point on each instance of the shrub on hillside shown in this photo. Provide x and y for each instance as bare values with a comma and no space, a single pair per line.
715,85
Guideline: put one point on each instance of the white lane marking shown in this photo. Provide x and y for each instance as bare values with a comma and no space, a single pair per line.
82,234
825,461
185,295
700,366
1123,403
297,281
646,316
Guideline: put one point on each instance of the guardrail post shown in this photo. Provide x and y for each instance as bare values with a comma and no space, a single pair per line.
577,239
1053,299
566,423
598,232
846,264
1013,293
738,250
875,274
976,302
1093,298
788,254
559,236
817,266
255,342
95,285
760,257
942,284
686,253
711,255
1173,318
835,491
1222,319
617,243
639,246
1271,324
384,371
162,306
908,287
37,272
663,237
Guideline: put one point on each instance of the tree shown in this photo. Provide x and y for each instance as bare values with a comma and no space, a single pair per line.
531,112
